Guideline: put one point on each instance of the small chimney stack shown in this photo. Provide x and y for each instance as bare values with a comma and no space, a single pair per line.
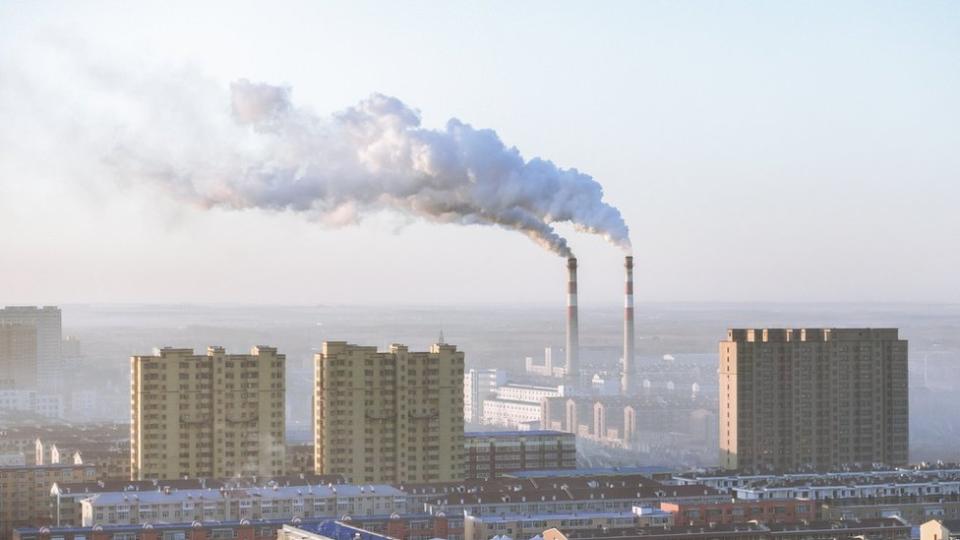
573,324
629,368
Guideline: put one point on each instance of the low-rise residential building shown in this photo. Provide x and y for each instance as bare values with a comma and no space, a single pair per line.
936,529
66,497
617,493
865,488
530,525
407,527
493,453
782,483
237,503
25,493
877,529
735,511
329,530
912,509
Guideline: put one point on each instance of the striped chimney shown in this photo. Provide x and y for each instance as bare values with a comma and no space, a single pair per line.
626,381
573,324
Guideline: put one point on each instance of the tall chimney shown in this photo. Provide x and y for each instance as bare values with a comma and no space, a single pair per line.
626,380
573,324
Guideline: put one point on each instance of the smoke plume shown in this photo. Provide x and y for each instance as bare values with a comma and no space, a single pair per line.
268,153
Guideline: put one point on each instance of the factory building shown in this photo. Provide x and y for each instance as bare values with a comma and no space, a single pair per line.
625,422
816,398
394,416
517,406
213,416
546,368
478,385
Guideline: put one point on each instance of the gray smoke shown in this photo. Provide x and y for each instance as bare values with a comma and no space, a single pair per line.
268,153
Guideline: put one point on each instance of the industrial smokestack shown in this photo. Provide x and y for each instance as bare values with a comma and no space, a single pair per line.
573,324
626,381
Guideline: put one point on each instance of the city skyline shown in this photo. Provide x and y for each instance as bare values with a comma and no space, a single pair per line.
732,139
436,270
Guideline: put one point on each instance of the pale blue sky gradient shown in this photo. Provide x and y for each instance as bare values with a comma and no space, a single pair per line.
759,151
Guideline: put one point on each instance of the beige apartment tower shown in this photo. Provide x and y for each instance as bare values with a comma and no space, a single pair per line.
812,398
389,417
207,416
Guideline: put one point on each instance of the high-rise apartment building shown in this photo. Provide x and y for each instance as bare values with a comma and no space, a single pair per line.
389,417
821,398
213,416
18,356
48,324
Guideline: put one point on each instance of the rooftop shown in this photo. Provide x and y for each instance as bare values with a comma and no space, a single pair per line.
262,493
531,433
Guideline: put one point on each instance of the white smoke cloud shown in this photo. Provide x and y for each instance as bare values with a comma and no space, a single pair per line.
265,152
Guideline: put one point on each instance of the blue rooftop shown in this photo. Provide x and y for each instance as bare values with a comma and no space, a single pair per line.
598,471
339,530
310,524
531,433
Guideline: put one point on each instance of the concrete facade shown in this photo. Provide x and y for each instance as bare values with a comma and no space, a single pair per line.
25,493
18,356
794,399
215,416
49,329
478,385
392,417
491,454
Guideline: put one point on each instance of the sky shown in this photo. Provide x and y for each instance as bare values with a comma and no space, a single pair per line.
758,151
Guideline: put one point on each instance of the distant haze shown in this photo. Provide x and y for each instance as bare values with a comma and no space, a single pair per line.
757,151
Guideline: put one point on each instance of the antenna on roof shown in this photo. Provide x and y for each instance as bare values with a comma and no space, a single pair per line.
441,340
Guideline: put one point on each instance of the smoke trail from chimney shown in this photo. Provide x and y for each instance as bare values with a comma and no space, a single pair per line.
268,153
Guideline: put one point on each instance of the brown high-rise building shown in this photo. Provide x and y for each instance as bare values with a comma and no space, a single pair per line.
389,417
820,398
18,356
47,324
207,416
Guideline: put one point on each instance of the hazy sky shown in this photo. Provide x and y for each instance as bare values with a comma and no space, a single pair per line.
759,151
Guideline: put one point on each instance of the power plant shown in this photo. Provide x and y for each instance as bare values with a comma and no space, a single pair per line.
625,413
